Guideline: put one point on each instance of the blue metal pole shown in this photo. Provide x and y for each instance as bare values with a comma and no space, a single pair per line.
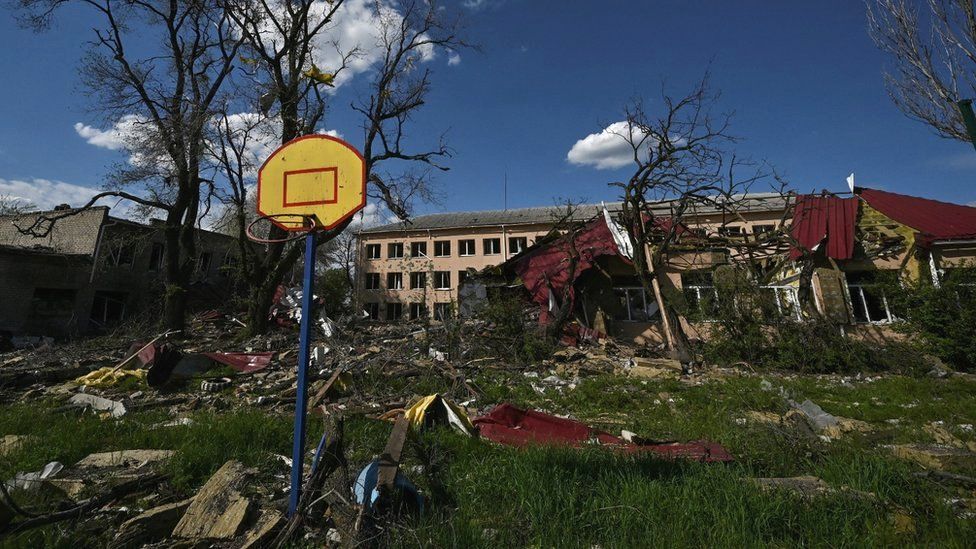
304,344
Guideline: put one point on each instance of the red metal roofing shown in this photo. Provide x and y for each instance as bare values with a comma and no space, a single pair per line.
548,266
932,219
816,218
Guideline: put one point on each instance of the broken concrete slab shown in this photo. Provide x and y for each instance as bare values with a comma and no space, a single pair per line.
151,525
125,458
660,363
264,529
942,435
806,486
113,407
651,372
12,443
219,510
936,456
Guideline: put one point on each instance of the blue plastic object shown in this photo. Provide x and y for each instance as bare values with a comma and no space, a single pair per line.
366,483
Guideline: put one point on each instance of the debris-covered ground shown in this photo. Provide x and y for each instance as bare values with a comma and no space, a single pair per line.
202,458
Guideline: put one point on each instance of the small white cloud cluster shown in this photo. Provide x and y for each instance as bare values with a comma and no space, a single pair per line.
609,149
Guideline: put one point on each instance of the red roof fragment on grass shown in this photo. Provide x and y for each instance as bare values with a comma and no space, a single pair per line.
513,426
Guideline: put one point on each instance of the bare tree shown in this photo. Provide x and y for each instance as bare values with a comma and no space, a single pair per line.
681,157
933,58
161,66
282,38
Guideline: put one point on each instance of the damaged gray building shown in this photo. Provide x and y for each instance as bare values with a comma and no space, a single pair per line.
92,270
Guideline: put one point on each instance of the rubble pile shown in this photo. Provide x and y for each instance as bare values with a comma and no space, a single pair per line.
373,370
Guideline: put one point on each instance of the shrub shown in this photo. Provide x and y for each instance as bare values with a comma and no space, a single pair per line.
943,318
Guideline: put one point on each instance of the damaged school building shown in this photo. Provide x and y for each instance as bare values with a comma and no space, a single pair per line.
443,264
90,271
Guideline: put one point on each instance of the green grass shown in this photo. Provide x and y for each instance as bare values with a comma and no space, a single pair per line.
484,495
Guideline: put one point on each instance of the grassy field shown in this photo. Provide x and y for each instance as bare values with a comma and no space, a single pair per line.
484,495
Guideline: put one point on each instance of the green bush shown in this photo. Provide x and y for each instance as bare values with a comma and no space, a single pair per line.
511,332
747,326
943,318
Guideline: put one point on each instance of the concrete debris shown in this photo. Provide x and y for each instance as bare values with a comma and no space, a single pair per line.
12,443
807,487
219,510
941,435
133,459
151,525
269,521
936,456
113,407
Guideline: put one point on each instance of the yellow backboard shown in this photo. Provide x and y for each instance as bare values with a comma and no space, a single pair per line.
315,175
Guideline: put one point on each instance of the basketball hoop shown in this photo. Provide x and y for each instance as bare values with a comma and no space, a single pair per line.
312,183
302,222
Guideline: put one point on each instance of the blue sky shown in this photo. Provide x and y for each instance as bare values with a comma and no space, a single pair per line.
803,78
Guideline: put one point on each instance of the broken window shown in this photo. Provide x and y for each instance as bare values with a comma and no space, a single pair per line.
785,299
394,281
634,305
394,250
418,249
492,246
108,308
418,280
203,264
372,310
418,311
517,244
372,251
700,293
120,254
394,310
442,248
48,302
156,257
442,311
868,299
730,230
442,280
372,281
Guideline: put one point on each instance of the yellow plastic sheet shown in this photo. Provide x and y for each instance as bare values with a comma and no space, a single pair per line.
454,415
103,377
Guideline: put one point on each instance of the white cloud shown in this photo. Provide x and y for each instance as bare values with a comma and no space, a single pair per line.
606,150
453,59
45,193
114,138
361,25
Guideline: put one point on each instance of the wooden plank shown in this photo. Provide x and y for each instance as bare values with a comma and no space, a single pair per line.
390,458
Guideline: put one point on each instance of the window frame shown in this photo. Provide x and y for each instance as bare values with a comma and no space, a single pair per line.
418,280
517,239
462,244
495,240
394,280
437,282
414,249
390,246
366,281
442,244
370,248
